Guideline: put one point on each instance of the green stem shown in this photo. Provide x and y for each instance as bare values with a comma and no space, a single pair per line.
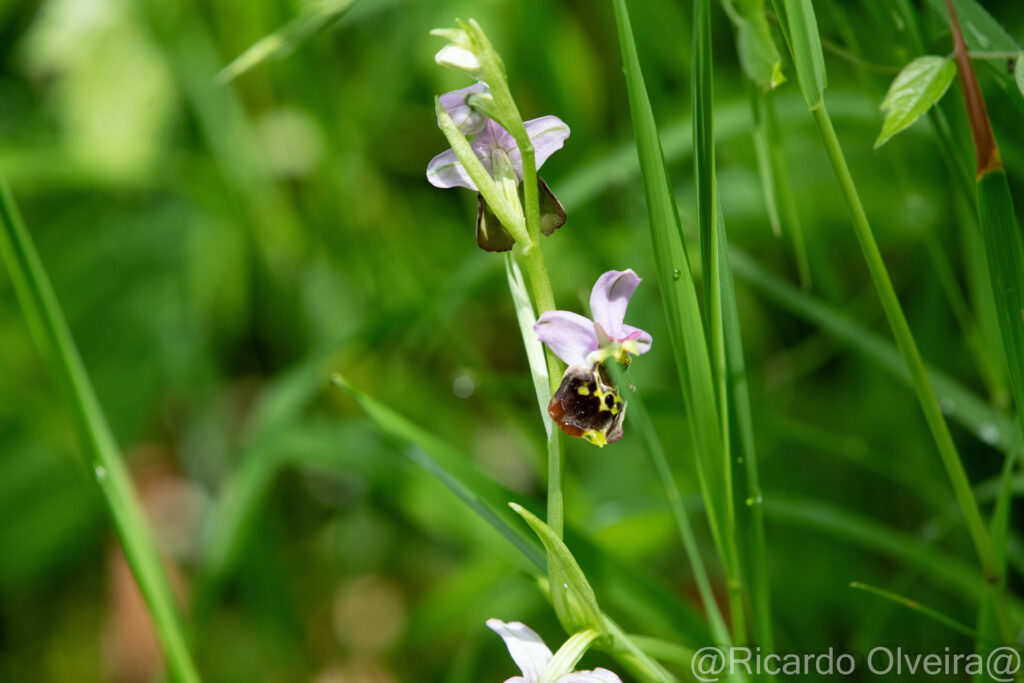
663,650
54,337
908,348
540,285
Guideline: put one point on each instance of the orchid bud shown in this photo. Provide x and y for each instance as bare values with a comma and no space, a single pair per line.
460,52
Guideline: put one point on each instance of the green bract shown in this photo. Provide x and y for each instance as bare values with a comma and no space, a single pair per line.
573,598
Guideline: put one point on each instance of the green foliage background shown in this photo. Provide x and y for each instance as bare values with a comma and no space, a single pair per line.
219,250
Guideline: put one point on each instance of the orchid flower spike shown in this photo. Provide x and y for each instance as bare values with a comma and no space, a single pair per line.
588,404
500,155
534,658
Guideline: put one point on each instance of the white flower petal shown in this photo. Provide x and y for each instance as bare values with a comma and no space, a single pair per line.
595,676
528,651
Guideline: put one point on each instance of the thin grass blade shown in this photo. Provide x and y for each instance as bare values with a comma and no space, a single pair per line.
914,605
54,338
685,324
282,42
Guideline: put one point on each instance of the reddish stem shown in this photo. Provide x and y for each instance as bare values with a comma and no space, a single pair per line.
981,127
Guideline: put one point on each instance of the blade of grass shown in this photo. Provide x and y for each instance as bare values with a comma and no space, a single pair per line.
976,345
451,469
685,324
641,418
851,527
1004,247
748,501
285,40
52,334
445,463
917,607
1004,251
989,425
712,237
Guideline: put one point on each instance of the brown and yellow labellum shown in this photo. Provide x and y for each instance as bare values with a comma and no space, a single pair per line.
587,406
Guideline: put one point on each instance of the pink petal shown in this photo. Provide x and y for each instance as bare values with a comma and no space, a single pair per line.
643,339
445,170
467,120
547,134
569,335
609,298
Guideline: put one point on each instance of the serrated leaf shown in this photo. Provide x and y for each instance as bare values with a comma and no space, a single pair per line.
915,89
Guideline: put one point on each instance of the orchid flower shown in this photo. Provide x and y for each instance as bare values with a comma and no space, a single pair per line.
534,658
501,157
577,340
587,403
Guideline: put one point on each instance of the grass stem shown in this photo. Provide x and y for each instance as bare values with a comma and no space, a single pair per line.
908,348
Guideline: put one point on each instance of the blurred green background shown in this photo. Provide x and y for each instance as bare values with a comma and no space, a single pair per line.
220,249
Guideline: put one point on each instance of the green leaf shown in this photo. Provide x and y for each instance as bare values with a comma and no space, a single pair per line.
573,598
1018,73
806,46
915,89
758,55
1005,253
